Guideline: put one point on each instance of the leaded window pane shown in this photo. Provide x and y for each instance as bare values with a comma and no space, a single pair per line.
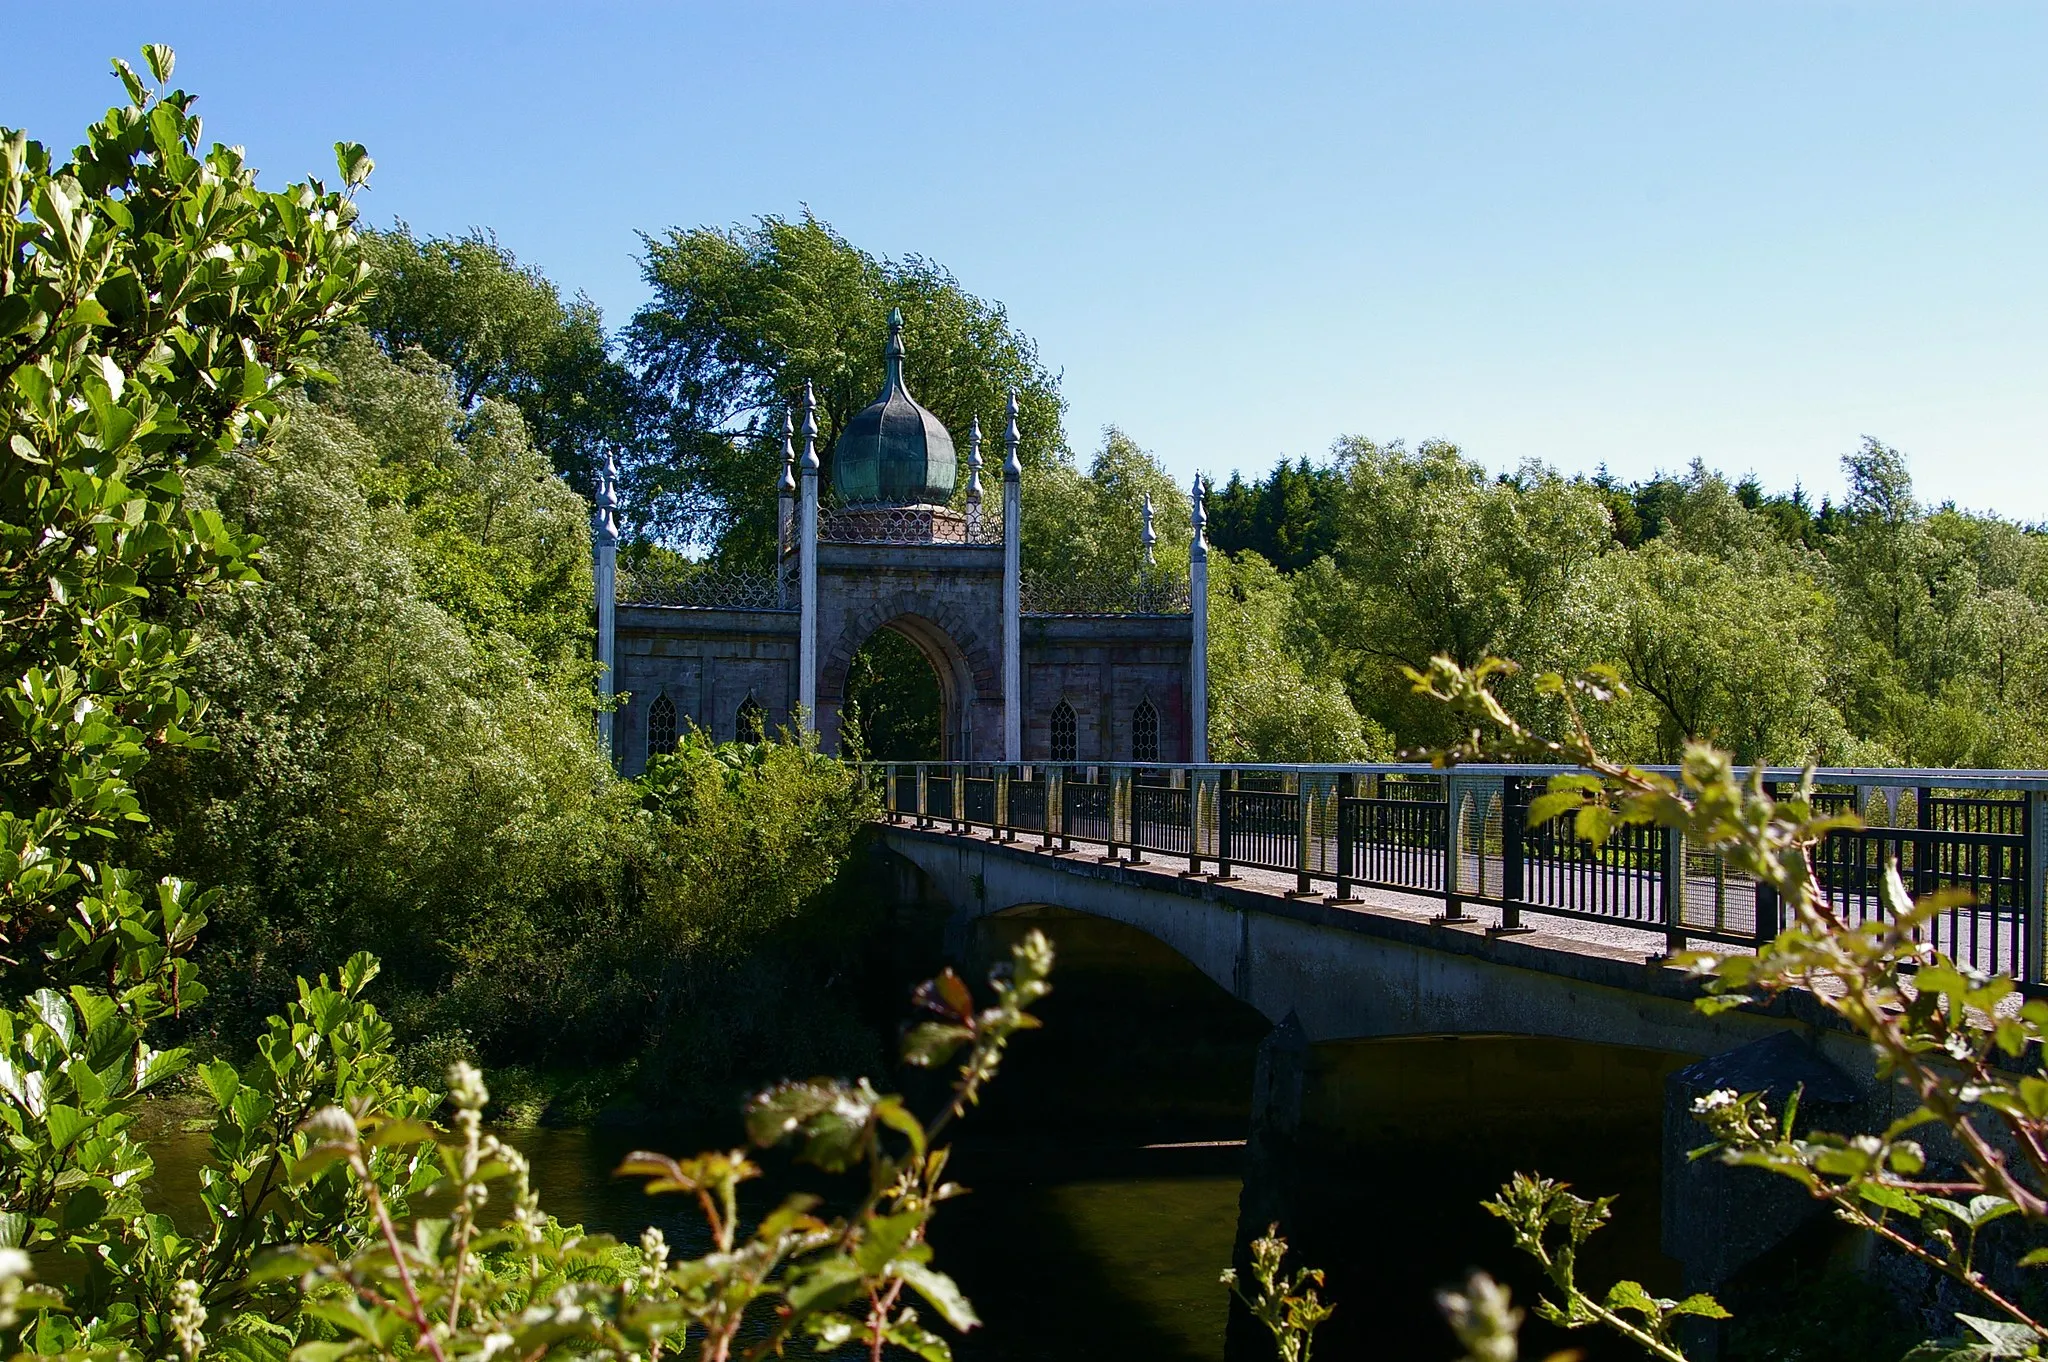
1145,733
1063,732
661,725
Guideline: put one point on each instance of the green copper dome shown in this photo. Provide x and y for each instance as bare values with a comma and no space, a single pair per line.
895,452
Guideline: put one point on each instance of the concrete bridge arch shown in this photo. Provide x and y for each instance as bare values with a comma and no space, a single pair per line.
1349,975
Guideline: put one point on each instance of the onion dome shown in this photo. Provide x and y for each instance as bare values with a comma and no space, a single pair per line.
895,452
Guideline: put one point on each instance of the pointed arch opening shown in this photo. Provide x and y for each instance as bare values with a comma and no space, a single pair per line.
661,725
1065,733
750,723
1145,732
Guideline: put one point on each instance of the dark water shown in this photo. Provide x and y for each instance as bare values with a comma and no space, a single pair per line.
1104,1168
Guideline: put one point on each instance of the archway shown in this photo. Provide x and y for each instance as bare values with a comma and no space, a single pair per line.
894,707
909,670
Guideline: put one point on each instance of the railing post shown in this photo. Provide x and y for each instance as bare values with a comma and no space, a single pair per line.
1226,784
956,783
1066,836
1049,777
1764,929
1304,829
1119,785
923,795
1114,785
2034,823
1514,884
1131,810
1194,787
889,790
1347,815
1671,887
1001,831
1454,905
1923,816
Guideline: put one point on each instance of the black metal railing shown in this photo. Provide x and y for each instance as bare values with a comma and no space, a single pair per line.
1462,837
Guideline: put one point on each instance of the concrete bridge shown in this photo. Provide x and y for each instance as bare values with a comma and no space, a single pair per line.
1389,965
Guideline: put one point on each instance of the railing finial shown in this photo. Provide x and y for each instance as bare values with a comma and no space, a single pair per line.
810,431
1013,467
974,461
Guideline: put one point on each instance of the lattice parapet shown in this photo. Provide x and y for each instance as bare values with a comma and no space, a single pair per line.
1145,594
865,524
702,588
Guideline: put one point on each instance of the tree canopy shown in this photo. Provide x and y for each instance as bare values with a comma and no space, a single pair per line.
504,331
741,318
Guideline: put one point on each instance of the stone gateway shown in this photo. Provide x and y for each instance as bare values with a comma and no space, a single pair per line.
1027,670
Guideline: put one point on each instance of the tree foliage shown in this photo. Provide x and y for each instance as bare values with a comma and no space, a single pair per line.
742,318
504,331
1877,632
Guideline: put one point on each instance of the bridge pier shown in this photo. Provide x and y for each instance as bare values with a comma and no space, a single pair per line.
1272,1171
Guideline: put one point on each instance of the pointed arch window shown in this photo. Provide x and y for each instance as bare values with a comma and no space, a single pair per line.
1145,733
751,723
661,725
1064,742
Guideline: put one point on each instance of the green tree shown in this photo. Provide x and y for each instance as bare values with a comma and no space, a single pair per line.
741,318
1436,558
1089,526
504,331
1289,518
1268,701
157,309
1730,653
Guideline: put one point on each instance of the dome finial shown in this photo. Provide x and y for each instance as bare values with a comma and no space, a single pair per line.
788,454
892,357
1146,534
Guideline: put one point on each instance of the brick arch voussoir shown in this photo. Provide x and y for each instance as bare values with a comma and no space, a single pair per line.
981,664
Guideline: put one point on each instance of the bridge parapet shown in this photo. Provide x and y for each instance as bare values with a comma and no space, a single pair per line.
1461,837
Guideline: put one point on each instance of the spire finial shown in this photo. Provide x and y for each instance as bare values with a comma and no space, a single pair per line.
1199,518
1013,467
810,431
607,514
892,356
974,461
788,487
1146,534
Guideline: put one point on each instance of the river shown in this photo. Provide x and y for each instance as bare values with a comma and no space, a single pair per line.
1105,1168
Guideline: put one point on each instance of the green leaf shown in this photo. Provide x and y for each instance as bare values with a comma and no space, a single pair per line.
1889,1197
941,1291
2001,1333
66,1124
362,967
1631,1296
1982,1210
1701,1305
1543,808
162,61
327,1352
220,1081
824,1286
933,1043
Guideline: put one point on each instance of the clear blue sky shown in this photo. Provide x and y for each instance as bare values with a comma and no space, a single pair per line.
1633,233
